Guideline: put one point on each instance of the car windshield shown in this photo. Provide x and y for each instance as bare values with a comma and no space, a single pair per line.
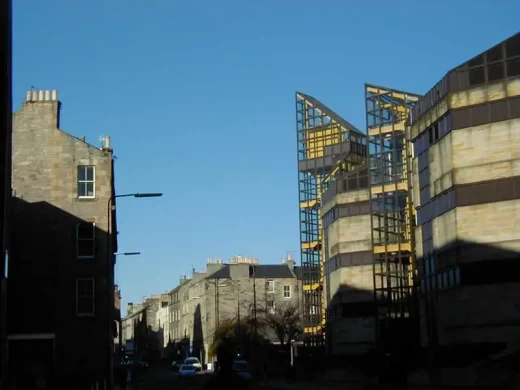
240,366
192,361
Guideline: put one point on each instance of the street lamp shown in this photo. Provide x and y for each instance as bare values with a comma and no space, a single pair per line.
110,258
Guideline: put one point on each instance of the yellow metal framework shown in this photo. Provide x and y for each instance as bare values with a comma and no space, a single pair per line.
394,268
327,144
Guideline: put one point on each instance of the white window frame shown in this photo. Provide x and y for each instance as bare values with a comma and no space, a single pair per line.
93,181
287,289
271,309
85,296
270,286
93,239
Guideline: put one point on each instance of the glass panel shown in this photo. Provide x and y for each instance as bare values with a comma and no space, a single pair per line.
85,231
85,305
90,189
81,173
90,173
86,248
82,189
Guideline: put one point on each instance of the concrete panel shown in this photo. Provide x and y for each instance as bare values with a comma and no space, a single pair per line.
357,282
486,152
349,234
475,314
418,242
486,93
441,165
345,198
416,199
445,229
351,335
498,224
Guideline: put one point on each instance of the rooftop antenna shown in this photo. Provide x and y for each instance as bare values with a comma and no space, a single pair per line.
33,88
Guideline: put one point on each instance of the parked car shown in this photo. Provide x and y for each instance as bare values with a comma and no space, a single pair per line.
187,370
242,369
193,361
176,365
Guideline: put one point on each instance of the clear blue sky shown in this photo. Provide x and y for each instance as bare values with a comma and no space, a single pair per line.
198,97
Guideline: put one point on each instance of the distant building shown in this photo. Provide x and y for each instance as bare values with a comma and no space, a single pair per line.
200,302
62,251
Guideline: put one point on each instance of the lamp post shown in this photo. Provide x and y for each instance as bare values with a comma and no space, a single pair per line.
110,258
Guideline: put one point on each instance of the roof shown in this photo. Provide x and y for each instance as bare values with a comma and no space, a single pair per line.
272,271
337,118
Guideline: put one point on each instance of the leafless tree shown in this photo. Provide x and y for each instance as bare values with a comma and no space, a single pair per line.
283,319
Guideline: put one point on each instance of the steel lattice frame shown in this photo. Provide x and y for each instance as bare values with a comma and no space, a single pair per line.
392,216
327,145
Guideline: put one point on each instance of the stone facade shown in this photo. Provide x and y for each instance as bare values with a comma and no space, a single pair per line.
61,252
466,135
221,292
349,283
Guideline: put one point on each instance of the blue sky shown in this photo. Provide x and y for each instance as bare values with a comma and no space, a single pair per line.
198,97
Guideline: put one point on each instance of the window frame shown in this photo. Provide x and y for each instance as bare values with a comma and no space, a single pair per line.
93,239
271,306
289,291
93,297
269,284
93,181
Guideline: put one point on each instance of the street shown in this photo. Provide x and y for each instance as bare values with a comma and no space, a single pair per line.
160,377
164,378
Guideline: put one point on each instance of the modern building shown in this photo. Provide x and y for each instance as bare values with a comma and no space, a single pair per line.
466,189
62,255
392,215
348,260
5,174
326,144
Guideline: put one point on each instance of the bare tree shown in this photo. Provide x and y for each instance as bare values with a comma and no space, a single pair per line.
284,320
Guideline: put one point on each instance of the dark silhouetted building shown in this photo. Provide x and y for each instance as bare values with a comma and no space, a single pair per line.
5,173
61,287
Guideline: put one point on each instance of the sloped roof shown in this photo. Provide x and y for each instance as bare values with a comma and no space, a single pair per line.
272,271
330,113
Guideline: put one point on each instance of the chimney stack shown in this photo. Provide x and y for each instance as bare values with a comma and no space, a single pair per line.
42,96
290,261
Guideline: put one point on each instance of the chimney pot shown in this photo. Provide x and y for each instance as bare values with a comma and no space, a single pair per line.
28,96
47,95
34,97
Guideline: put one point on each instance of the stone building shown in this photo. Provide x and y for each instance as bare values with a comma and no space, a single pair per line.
224,292
62,251
349,275
195,307
466,168
140,326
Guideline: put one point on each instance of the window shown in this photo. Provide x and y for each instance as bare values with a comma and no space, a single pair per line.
286,291
86,181
271,306
270,286
86,243
85,297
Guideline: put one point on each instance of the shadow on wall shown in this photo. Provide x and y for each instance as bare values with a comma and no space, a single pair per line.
58,267
466,306
198,336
